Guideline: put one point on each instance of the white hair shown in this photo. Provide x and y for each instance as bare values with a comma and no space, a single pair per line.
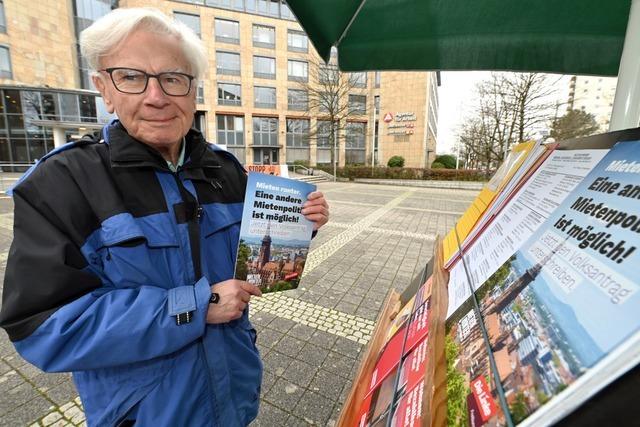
104,34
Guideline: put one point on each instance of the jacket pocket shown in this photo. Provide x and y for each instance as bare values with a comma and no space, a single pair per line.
141,252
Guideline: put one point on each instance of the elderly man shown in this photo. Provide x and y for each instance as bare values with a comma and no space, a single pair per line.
123,257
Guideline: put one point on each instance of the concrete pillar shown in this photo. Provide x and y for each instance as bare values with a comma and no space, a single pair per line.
59,137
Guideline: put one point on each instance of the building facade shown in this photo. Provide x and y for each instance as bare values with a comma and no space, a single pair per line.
594,95
261,96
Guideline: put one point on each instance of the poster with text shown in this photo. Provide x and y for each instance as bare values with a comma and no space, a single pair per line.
562,312
274,235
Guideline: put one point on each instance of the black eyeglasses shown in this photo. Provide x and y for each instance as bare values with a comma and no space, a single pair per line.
130,80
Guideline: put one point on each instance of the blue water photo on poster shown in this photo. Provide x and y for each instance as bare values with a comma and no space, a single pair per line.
274,235
568,299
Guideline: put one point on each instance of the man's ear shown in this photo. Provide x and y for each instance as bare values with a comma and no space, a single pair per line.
99,83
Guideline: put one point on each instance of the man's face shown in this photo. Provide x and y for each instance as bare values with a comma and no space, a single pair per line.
152,117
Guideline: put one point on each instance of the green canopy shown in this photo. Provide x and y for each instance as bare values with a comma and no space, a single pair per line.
563,36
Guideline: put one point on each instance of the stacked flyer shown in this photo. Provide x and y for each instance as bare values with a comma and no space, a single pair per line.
542,295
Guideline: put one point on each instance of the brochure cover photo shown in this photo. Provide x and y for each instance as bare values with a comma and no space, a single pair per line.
274,235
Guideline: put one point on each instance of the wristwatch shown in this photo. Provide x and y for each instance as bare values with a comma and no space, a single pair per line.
214,298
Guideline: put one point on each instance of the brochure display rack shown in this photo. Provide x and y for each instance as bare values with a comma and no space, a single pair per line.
531,307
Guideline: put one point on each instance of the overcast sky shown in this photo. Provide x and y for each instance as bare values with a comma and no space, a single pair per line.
456,96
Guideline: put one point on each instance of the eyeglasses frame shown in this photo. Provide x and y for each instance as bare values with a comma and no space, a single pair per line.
110,71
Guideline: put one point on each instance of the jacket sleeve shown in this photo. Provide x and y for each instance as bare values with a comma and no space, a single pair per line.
61,318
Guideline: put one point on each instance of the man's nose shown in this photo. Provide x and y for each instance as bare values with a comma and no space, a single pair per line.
154,92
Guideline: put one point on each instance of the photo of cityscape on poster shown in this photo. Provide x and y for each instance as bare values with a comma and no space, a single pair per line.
274,235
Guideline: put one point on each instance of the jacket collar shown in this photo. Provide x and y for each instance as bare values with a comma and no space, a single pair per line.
126,151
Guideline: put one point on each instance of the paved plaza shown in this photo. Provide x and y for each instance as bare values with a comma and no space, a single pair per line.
378,237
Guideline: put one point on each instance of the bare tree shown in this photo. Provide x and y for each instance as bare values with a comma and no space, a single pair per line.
509,108
327,91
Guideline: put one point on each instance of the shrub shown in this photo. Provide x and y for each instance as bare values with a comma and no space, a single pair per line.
437,165
355,172
447,160
396,162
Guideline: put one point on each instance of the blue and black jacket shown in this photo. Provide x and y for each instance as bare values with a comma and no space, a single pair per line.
109,245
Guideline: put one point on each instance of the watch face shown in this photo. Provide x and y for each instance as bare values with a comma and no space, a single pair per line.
214,298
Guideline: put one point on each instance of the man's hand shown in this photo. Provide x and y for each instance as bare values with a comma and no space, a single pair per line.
316,209
234,297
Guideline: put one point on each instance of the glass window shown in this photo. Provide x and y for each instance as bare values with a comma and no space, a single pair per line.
228,63
265,131
264,97
88,111
264,36
355,135
324,134
358,79
12,101
227,31
200,92
230,130
269,7
229,4
229,94
87,11
358,104
5,63
298,71
3,19
285,12
190,20
297,41
69,110
327,74
31,107
377,79
297,100
264,67
297,133
50,106
354,143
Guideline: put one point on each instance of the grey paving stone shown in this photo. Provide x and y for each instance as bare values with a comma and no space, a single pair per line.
29,371
327,384
10,380
270,416
294,421
284,394
302,332
268,380
63,393
276,363
16,396
300,373
282,325
262,318
268,337
312,354
48,381
323,339
4,368
6,347
346,307
347,348
314,408
338,364
25,414
289,345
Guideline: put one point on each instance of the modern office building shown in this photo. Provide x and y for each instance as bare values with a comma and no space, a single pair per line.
593,94
259,98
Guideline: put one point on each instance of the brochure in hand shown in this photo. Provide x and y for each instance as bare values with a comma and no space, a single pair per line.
274,235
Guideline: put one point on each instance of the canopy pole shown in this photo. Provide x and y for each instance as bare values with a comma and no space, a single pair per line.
353,18
626,104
